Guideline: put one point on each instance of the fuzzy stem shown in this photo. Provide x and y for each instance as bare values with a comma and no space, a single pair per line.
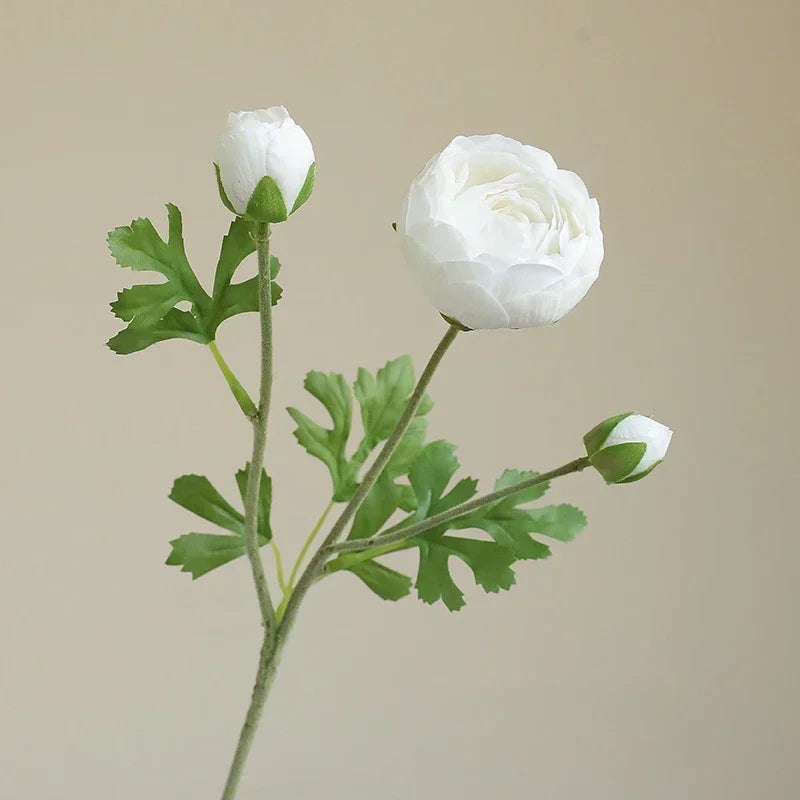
266,662
384,540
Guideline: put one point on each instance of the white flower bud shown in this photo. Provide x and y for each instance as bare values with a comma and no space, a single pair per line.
627,447
265,164
498,236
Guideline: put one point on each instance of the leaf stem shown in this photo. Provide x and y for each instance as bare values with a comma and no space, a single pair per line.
301,557
276,552
239,392
400,533
267,662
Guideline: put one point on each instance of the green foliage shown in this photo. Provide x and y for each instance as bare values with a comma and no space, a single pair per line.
381,398
200,553
150,309
421,480
387,583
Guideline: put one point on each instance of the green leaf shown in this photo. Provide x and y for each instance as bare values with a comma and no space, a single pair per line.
507,524
328,444
563,522
387,495
430,476
264,501
231,299
384,397
199,553
386,583
196,494
175,324
150,309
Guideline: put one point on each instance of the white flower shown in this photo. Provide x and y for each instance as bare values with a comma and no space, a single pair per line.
265,164
498,236
627,447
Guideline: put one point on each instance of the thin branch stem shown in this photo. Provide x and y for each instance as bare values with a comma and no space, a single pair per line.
307,545
276,552
239,392
401,533
267,662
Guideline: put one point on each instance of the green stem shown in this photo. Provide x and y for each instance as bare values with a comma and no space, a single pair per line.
276,552
314,568
239,392
307,546
266,662
384,542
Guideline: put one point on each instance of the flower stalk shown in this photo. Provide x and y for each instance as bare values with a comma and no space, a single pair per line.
266,662
384,543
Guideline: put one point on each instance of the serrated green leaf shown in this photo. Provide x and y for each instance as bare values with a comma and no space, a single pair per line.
434,581
237,244
264,501
563,522
150,309
175,324
196,494
387,583
383,397
199,553
328,444
230,299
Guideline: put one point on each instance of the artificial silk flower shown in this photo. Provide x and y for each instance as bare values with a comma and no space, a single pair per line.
627,447
265,164
498,236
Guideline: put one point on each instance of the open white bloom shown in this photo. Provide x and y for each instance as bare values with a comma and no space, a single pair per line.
265,164
627,447
498,236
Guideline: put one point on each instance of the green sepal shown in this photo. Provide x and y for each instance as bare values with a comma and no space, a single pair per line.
266,204
455,323
615,463
597,436
641,475
222,193
306,188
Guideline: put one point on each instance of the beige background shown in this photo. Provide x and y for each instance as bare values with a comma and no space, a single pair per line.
656,657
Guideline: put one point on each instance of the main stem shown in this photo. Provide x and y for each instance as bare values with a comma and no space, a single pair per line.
272,645
266,663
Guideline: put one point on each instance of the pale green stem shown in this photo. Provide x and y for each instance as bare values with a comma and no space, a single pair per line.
276,552
287,591
266,664
385,542
239,392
